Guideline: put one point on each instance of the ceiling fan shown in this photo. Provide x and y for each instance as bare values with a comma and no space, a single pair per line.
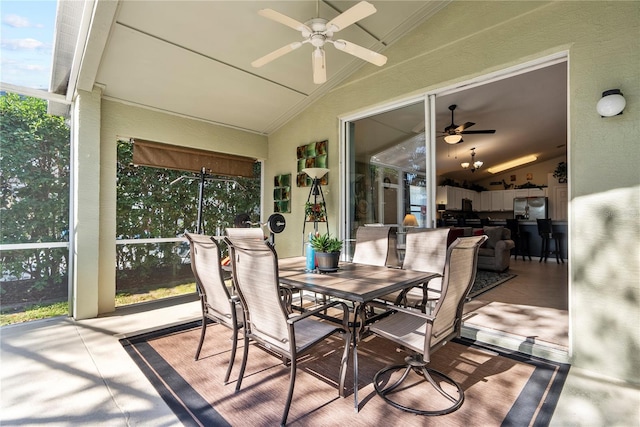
453,133
319,31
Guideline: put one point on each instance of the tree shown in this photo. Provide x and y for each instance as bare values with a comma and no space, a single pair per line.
34,183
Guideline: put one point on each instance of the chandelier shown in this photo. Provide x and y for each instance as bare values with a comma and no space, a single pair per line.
475,164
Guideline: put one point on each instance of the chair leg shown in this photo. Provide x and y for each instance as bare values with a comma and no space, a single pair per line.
245,353
232,357
292,382
414,366
343,364
202,334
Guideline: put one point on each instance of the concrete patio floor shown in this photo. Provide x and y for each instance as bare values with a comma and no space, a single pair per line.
62,372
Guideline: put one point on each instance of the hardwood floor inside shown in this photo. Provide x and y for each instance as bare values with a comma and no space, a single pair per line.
530,310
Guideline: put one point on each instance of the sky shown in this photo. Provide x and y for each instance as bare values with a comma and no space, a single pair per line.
26,42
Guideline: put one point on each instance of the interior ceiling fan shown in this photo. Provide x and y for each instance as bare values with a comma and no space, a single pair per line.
318,32
453,133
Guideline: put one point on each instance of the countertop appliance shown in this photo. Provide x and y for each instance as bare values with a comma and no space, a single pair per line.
530,208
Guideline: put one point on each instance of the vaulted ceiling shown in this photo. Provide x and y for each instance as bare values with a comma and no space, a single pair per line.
193,59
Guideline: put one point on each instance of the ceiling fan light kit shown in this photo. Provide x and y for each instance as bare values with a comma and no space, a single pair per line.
317,32
452,139
512,164
453,133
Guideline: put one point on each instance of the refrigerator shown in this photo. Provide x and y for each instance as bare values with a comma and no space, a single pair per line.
530,208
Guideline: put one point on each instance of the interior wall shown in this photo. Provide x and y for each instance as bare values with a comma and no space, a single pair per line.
601,40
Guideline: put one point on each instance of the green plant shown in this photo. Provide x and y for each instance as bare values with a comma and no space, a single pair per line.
561,172
326,243
315,212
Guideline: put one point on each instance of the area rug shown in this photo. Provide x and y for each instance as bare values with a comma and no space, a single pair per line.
501,388
487,280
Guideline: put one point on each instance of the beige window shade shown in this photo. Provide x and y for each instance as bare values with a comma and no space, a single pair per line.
155,154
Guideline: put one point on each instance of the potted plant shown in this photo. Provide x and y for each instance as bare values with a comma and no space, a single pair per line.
314,212
561,172
327,250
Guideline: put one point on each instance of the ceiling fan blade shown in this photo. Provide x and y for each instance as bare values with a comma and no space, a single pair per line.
469,132
361,52
464,126
351,15
283,19
275,54
319,66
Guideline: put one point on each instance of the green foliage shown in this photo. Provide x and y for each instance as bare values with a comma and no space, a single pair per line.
326,243
34,183
149,206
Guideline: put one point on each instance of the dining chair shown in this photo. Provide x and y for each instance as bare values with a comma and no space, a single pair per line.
426,250
217,303
372,245
268,322
424,333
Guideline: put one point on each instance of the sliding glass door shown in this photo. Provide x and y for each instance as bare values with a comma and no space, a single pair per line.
387,171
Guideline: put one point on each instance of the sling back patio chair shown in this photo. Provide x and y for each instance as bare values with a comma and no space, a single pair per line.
426,250
268,322
424,333
216,301
372,245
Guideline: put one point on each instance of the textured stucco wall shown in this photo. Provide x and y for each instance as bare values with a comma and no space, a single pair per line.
601,39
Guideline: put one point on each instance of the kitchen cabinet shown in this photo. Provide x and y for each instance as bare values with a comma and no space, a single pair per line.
497,200
485,201
507,200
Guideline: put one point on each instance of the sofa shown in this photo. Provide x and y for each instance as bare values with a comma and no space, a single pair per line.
495,253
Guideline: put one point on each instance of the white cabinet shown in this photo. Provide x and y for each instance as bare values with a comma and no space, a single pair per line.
537,192
450,196
507,200
485,201
497,200
522,192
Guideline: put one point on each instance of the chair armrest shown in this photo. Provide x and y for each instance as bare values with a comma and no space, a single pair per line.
408,310
345,313
505,245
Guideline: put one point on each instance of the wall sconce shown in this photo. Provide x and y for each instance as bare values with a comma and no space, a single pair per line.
611,104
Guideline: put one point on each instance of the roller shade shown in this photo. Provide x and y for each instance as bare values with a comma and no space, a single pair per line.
155,154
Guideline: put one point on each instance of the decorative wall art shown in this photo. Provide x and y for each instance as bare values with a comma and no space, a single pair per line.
282,193
312,155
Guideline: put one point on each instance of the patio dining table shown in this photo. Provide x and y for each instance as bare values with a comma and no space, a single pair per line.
356,283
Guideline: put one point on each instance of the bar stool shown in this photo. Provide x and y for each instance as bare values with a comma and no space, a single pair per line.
545,230
520,238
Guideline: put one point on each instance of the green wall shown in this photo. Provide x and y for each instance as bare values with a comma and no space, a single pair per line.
601,39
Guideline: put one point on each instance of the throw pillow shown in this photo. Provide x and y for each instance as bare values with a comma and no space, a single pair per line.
494,234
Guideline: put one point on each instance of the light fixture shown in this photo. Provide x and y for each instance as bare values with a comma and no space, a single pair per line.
410,220
452,139
512,164
315,174
611,104
475,164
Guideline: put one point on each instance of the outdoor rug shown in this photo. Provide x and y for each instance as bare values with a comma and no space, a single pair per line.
487,280
501,388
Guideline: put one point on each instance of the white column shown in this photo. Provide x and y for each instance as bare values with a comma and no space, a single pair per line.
85,204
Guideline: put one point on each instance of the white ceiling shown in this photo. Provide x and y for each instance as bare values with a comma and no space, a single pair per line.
194,58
